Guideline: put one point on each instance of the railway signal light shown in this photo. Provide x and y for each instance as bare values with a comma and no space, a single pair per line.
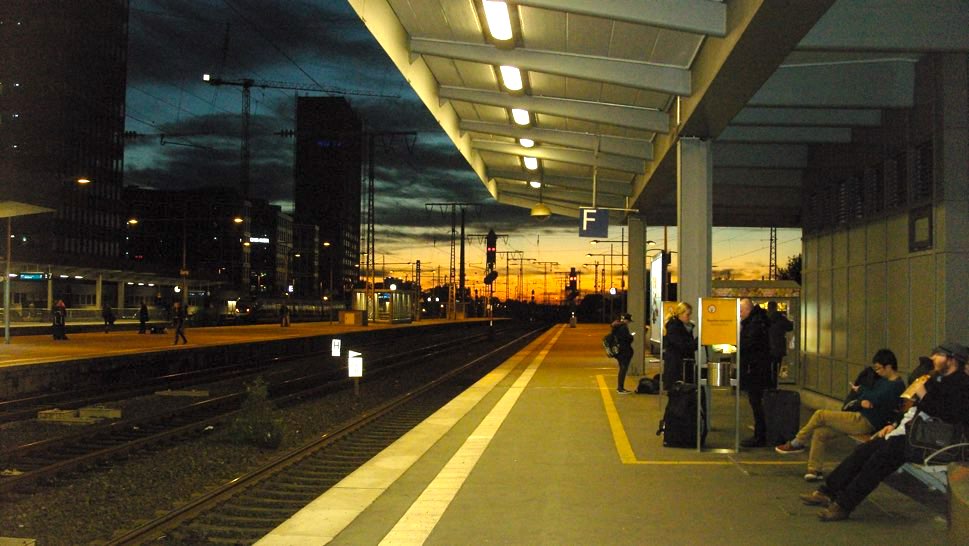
491,242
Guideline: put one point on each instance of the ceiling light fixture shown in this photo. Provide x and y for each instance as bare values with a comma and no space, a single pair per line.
499,22
535,184
511,77
531,163
521,116
526,142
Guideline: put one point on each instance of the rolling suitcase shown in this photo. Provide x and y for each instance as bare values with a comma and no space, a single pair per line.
782,413
678,425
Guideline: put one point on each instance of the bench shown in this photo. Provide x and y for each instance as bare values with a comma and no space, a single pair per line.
934,476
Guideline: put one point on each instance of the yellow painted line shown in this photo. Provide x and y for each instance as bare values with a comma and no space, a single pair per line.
416,525
625,449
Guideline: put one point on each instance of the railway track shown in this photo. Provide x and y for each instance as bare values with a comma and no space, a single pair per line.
247,508
43,462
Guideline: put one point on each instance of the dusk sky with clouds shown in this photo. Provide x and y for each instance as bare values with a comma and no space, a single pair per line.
322,42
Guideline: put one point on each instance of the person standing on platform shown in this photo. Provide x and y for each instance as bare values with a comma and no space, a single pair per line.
779,327
60,321
755,366
108,315
178,321
142,318
284,315
678,344
620,330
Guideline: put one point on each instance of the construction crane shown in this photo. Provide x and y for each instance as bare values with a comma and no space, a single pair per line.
248,83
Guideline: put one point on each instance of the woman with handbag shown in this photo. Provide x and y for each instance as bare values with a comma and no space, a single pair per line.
945,396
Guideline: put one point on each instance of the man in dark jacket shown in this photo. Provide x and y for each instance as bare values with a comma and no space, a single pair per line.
945,396
754,366
777,332
621,331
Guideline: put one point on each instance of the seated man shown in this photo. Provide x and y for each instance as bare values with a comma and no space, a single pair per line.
876,406
944,396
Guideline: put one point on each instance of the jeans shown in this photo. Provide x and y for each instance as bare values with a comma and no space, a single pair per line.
861,472
825,425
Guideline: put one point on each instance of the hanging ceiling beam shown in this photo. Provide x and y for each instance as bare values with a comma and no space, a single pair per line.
578,157
632,147
633,117
809,117
603,186
880,83
697,16
636,74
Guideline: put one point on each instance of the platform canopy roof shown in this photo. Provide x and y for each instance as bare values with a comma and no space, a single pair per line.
610,85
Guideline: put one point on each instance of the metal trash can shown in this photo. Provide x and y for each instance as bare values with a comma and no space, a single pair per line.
718,373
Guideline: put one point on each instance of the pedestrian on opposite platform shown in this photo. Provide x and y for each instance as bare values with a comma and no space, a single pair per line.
107,314
777,332
283,315
876,407
678,344
755,366
143,318
620,330
59,325
178,321
942,395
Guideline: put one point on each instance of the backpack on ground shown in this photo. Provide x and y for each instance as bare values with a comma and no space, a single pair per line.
648,385
678,425
611,344
782,415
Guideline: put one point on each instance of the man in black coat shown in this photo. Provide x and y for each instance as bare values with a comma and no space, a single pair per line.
779,327
625,356
755,360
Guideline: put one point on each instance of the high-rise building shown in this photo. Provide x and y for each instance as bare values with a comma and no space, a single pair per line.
327,187
62,104
271,244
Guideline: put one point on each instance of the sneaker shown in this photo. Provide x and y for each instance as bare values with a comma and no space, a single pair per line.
815,498
753,441
833,512
788,448
813,476
623,391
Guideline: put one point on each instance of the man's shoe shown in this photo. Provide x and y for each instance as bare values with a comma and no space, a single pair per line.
753,442
623,391
788,448
816,498
833,512
813,476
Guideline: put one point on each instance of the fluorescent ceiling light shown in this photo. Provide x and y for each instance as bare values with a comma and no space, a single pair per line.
526,142
499,22
511,77
531,163
535,184
520,116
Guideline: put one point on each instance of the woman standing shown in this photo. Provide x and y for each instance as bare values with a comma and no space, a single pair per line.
678,344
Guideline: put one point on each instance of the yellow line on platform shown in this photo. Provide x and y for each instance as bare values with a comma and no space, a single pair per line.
625,449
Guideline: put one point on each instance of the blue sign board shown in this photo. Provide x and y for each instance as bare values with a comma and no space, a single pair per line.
593,223
33,276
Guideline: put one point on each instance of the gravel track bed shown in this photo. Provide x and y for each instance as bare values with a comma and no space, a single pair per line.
91,508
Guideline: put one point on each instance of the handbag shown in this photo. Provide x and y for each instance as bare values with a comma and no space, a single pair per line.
935,441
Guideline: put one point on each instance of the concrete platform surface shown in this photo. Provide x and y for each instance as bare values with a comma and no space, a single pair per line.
544,451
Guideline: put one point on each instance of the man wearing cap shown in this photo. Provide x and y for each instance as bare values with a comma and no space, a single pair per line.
625,356
945,396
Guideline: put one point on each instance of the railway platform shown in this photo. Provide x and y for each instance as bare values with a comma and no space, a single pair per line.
545,451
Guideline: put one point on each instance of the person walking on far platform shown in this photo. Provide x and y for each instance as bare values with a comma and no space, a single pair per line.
108,315
60,321
283,315
142,318
625,338
178,321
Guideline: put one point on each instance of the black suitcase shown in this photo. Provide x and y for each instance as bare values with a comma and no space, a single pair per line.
678,425
782,413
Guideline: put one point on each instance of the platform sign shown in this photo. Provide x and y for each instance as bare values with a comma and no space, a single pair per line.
33,276
593,223
718,321
354,364
335,347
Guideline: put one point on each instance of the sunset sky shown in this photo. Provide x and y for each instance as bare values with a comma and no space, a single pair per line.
322,42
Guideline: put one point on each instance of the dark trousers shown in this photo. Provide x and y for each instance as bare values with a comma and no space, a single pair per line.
775,368
861,472
624,361
180,333
141,327
755,395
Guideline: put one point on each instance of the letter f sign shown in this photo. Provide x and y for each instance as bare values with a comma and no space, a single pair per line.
594,223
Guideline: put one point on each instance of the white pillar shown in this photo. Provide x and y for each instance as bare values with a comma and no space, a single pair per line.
97,290
121,287
694,218
636,292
